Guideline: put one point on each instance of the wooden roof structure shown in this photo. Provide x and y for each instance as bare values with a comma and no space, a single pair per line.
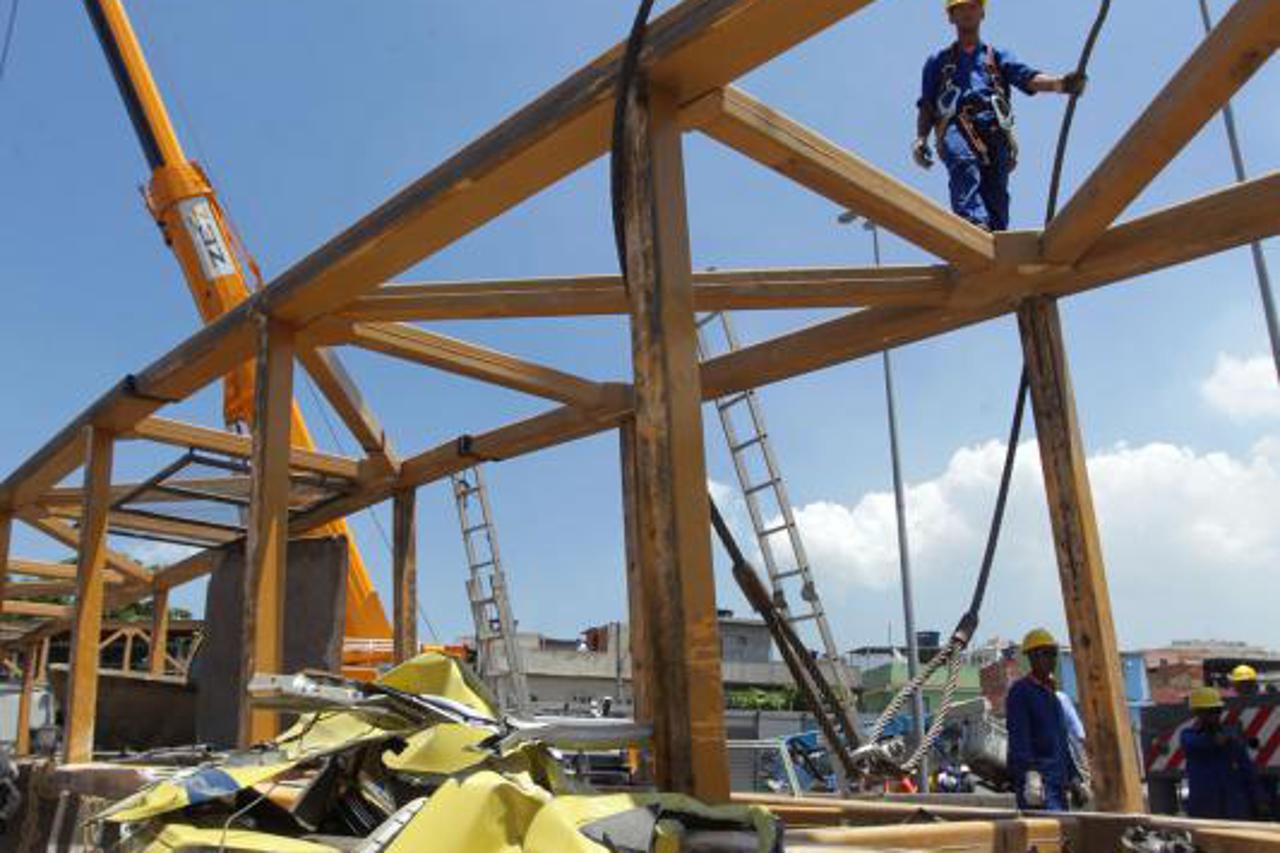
340,295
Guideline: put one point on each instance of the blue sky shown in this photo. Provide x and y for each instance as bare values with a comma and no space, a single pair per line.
307,116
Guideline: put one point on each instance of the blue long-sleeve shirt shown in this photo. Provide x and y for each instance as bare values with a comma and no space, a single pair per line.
1037,734
971,77
1221,777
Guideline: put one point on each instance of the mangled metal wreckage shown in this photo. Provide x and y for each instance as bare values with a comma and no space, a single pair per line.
419,760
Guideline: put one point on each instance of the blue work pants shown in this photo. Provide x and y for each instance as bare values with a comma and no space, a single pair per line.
979,192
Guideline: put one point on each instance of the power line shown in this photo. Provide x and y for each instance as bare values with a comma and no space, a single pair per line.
8,37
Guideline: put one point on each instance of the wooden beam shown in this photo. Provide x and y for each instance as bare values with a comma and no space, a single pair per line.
1048,835
166,528
404,566
52,571
39,589
159,632
22,735
721,290
179,434
268,528
1094,649
674,545
734,118
82,682
35,608
66,534
337,386
465,359
1239,45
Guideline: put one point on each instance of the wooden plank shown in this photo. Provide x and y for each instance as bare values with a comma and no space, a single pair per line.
70,536
268,527
734,118
721,290
159,632
82,682
179,434
22,736
466,359
404,570
1239,45
684,689
337,386
1048,835
1095,651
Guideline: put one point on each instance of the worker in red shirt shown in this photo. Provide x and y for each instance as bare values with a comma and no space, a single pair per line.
1039,755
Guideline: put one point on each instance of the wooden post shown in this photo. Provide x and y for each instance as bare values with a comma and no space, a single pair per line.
22,737
637,626
405,573
682,683
6,531
159,631
1094,647
267,541
86,631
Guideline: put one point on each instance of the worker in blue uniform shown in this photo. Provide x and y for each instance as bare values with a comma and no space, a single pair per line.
1222,781
1039,756
965,102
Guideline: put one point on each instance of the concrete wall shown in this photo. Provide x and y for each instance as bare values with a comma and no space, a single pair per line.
315,609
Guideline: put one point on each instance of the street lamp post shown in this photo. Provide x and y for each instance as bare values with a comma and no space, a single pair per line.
1259,262
904,550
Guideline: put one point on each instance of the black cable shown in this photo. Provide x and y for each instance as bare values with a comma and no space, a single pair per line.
969,622
8,36
620,164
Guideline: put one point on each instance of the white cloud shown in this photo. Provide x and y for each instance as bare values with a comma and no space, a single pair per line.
1189,541
1243,388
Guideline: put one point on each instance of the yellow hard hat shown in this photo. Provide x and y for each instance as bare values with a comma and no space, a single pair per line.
1038,638
1205,699
1244,672
948,5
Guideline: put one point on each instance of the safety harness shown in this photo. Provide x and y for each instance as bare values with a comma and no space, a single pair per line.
949,107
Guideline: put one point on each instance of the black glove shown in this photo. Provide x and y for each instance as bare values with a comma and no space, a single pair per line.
1074,82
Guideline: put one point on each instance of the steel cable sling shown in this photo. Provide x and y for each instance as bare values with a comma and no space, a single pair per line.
963,633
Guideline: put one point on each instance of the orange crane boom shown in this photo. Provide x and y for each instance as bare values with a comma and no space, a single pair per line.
181,200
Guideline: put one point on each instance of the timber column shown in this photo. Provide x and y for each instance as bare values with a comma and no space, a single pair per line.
267,539
86,631
681,670
1094,648
404,561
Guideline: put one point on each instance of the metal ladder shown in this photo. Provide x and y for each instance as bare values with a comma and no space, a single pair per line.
498,651
758,474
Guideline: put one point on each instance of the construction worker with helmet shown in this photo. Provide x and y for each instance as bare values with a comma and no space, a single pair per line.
1222,781
1244,680
1039,754
965,103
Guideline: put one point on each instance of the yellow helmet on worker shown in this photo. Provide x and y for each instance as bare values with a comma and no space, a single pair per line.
1205,699
1038,638
1243,672
948,5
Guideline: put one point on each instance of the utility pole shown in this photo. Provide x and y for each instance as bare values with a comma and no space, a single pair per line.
900,507
1259,261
